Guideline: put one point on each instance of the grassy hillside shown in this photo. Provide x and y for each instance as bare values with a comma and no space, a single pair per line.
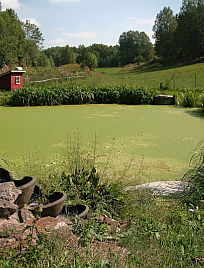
151,75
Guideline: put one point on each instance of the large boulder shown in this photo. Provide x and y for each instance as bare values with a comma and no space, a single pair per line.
7,209
9,192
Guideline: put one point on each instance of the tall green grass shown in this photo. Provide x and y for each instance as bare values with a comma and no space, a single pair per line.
64,95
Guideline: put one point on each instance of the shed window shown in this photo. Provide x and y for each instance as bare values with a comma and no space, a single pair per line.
17,80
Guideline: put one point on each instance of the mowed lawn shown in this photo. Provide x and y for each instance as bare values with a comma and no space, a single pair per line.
149,142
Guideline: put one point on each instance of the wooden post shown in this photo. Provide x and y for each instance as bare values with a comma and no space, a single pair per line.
195,81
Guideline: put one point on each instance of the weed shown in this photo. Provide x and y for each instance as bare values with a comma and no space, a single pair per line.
190,98
195,175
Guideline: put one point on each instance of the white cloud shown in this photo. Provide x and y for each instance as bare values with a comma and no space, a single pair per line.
57,41
14,4
85,35
142,21
58,1
32,21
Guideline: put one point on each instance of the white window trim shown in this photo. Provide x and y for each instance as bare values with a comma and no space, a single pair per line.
17,80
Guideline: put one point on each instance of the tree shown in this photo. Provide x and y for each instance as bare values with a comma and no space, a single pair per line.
164,32
43,60
91,60
20,42
32,33
82,50
32,44
11,37
55,53
190,30
132,45
67,55
102,52
52,63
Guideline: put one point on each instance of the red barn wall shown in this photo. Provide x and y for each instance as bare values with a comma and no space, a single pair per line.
13,85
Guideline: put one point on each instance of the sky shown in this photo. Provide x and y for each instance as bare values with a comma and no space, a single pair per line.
87,22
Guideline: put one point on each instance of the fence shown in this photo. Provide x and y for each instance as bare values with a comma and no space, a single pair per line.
158,80
67,78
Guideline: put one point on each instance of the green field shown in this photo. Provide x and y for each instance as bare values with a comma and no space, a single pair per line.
150,75
152,142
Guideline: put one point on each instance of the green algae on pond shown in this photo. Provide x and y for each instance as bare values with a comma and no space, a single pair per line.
161,138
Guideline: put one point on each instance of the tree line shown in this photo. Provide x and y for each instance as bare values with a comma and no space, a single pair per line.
134,47
21,43
177,37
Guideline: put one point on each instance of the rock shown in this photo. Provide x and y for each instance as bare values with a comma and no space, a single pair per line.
25,215
65,220
9,225
49,224
162,187
54,228
9,192
15,234
14,216
113,224
7,209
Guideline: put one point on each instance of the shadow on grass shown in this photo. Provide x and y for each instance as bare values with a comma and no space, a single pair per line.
197,113
155,67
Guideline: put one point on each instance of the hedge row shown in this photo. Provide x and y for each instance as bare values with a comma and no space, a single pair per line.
66,95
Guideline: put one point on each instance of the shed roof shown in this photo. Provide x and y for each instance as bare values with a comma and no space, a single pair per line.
12,71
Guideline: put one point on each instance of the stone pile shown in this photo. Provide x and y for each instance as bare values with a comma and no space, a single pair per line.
14,220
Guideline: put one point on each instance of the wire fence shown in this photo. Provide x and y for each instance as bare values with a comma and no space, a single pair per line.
52,79
160,81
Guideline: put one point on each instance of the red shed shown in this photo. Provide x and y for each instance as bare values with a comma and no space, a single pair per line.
11,80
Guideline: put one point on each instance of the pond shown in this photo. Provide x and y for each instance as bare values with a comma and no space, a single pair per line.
157,140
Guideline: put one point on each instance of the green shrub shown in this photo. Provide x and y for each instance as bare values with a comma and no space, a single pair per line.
64,94
190,98
85,186
4,97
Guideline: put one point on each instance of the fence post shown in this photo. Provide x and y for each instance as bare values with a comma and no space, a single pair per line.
195,80
174,81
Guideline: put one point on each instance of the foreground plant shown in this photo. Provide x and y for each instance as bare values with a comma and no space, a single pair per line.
85,186
195,176
190,98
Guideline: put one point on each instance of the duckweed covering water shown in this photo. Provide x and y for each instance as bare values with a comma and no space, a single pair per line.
156,140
